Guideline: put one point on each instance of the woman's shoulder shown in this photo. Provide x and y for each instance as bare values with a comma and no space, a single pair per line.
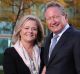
9,50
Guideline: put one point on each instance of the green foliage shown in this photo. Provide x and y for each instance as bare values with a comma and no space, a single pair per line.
1,72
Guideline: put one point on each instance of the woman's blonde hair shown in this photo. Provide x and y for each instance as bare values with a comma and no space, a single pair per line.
19,24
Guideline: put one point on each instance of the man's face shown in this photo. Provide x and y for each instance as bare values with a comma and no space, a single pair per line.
55,20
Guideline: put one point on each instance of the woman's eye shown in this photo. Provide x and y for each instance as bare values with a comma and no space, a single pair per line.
27,28
35,29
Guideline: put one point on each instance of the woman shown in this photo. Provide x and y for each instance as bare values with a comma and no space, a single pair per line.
24,55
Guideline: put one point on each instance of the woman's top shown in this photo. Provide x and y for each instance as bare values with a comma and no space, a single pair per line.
32,64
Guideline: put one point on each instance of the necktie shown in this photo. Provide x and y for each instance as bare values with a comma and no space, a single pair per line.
52,45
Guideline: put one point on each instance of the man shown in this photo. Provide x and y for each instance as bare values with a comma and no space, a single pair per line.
64,57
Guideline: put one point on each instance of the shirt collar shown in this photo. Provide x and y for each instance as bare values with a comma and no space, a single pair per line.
64,29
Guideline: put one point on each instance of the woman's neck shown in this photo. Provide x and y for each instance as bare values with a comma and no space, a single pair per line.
28,47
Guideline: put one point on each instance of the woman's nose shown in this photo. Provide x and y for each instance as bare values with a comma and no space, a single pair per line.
30,30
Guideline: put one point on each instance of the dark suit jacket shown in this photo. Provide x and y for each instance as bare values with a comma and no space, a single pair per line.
13,64
65,57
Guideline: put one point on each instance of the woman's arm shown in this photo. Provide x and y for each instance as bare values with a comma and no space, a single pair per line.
9,66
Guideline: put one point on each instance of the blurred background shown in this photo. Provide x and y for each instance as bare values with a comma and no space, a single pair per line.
11,10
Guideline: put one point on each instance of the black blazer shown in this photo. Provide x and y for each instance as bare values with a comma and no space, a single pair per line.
13,64
65,57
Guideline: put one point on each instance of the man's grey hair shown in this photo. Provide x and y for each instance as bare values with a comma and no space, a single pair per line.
55,4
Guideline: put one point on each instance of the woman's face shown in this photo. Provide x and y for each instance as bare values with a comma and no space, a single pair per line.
29,31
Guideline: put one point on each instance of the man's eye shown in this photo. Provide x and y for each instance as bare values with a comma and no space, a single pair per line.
49,18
